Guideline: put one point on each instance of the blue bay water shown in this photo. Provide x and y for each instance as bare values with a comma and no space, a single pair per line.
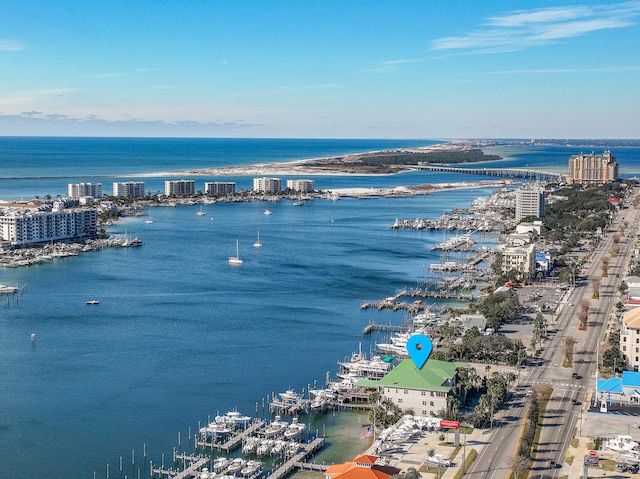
179,334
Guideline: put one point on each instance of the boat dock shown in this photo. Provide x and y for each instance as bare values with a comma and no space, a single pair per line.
296,461
388,328
234,441
195,464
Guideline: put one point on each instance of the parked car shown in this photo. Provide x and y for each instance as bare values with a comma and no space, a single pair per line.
621,467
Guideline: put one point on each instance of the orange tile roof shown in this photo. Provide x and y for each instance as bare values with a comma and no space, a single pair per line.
369,470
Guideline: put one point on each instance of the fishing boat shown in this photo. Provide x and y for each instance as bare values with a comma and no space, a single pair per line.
294,430
251,468
93,301
257,244
276,427
236,465
235,259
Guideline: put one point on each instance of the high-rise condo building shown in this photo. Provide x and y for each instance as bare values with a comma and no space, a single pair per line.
592,168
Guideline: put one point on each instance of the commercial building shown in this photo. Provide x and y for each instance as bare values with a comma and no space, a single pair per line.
267,185
22,227
529,202
519,258
592,169
133,189
305,186
217,188
78,190
179,188
422,390
363,466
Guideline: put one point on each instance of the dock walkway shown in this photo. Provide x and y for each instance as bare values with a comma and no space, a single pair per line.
235,440
298,459
192,470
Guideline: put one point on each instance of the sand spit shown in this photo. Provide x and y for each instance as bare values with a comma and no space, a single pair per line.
343,165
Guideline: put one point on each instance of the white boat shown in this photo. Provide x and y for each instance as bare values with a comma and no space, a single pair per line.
267,212
220,465
149,221
438,460
252,467
236,465
294,430
204,474
276,428
235,419
264,448
250,445
235,259
298,203
257,244
622,443
93,301
200,213
279,447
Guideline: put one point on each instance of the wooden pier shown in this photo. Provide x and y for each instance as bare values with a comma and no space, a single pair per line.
196,463
388,328
294,463
235,440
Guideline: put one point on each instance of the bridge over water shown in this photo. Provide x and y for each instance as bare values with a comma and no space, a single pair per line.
506,172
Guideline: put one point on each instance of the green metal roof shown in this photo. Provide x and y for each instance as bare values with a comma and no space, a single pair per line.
431,377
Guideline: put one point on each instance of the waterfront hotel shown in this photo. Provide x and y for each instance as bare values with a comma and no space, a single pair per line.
592,169
21,226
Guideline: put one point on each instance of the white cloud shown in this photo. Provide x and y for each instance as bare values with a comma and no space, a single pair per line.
11,46
391,65
522,29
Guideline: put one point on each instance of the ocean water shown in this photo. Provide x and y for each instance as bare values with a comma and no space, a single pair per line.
179,334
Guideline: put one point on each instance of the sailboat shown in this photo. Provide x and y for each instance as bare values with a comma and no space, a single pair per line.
200,213
235,259
257,244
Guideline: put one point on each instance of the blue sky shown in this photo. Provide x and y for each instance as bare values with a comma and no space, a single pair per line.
320,69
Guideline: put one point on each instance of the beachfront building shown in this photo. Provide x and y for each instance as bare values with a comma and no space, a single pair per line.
217,188
21,227
630,338
304,186
519,258
267,185
423,390
78,190
529,202
592,169
179,187
363,466
126,189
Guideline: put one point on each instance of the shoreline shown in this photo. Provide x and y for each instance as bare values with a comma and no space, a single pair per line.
324,166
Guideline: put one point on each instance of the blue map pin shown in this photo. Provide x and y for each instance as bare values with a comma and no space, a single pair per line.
419,348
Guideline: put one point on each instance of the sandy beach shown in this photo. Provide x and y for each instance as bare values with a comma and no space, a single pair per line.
352,164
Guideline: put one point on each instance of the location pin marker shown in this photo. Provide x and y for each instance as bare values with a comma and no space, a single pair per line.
419,348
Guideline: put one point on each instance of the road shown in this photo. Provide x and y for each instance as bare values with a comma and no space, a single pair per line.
564,410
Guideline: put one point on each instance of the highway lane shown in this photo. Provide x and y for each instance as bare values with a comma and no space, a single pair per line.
566,403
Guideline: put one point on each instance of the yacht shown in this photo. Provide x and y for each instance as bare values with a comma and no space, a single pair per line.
276,427
294,430
251,468
236,465
267,212
235,260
